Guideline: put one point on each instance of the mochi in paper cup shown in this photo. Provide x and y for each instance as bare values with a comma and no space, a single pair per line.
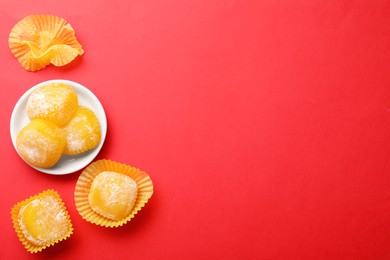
86,197
41,221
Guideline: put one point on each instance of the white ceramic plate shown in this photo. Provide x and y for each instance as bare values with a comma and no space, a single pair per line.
68,163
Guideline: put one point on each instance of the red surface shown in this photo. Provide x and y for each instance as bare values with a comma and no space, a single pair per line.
265,126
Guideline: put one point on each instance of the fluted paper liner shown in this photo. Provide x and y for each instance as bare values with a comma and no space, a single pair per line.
30,247
38,40
83,185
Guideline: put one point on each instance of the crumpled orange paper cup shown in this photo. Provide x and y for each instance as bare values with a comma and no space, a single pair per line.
38,40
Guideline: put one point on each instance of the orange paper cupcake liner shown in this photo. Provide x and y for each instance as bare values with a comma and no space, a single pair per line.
30,247
83,185
38,40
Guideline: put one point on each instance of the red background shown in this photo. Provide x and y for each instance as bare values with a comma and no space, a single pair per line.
263,124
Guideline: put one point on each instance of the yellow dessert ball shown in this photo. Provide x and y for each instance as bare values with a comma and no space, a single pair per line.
113,195
44,220
41,143
82,132
55,102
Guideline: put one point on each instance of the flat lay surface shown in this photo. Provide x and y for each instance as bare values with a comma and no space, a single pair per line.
264,126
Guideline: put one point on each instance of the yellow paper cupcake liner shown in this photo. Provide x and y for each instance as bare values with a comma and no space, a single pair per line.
30,247
83,185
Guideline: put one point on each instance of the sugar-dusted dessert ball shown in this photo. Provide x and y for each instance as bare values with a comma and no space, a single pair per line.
112,195
41,143
41,221
55,102
82,132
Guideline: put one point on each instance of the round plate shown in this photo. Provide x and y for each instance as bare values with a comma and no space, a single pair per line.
68,163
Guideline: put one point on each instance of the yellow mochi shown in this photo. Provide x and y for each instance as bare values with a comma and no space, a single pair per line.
112,195
55,102
82,132
44,221
40,143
